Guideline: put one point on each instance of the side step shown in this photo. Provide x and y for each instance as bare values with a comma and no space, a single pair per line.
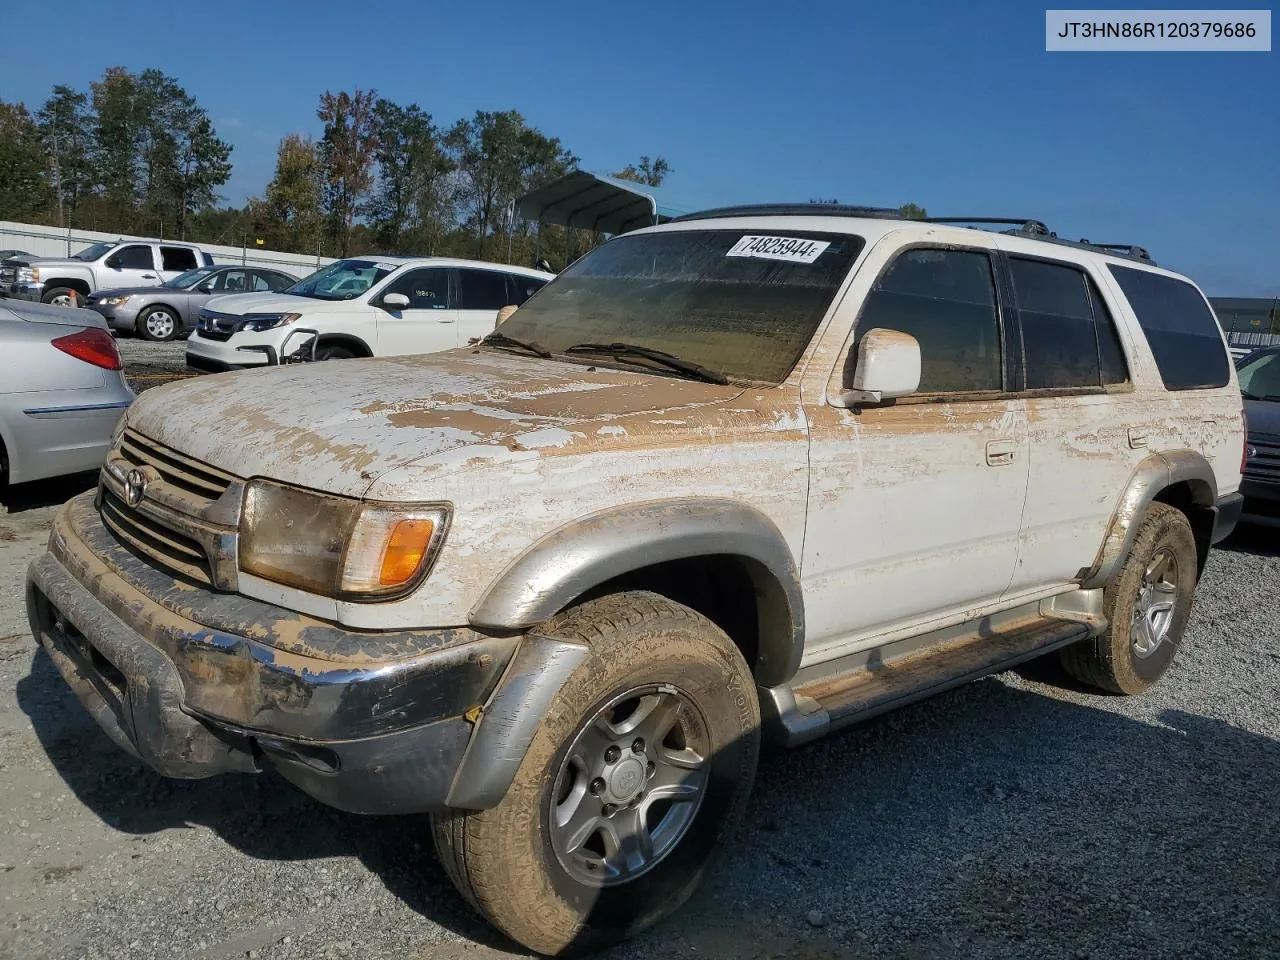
884,682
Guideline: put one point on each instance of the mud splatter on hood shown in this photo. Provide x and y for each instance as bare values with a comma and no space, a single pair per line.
338,425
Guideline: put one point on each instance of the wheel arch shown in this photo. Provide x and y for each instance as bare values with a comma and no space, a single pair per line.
704,553
349,340
1183,479
71,283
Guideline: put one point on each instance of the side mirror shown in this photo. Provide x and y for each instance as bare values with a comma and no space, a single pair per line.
888,367
505,313
112,262
395,301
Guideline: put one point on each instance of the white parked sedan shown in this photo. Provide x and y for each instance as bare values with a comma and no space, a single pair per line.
362,307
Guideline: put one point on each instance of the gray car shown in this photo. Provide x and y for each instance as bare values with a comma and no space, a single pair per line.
171,309
62,390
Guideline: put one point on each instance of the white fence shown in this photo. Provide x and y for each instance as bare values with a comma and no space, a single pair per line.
55,242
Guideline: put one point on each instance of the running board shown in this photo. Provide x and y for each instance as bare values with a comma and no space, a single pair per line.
882,682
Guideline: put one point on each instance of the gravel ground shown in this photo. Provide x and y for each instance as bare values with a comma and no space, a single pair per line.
1018,816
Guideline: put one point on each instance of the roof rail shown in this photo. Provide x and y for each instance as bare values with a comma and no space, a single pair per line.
1122,249
793,210
1023,225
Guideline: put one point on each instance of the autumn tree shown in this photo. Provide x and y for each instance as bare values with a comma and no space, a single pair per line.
412,200
347,153
649,171
291,217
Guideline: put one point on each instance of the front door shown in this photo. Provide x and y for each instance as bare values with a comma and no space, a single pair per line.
131,265
914,505
428,324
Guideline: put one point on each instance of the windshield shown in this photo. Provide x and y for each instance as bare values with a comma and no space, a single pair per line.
1259,377
188,279
93,252
738,302
343,280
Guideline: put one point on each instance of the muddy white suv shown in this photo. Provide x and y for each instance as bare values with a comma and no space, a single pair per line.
759,471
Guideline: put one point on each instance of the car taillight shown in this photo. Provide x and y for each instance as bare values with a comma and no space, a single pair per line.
92,346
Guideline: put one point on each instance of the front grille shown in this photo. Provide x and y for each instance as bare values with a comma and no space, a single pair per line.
155,541
178,470
8,275
216,326
1265,464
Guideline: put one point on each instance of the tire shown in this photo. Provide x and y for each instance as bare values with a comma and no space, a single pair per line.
61,297
333,353
516,868
1135,651
158,324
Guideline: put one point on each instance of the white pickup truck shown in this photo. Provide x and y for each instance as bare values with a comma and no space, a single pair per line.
101,266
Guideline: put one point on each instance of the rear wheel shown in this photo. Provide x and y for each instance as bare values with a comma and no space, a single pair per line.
158,323
640,769
62,297
1147,605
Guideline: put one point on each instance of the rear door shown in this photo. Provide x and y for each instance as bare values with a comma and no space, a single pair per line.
131,265
1085,417
428,324
176,260
481,294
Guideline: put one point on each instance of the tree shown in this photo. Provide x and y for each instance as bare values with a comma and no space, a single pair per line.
411,198
913,212
65,128
292,215
24,183
116,141
499,157
651,172
347,155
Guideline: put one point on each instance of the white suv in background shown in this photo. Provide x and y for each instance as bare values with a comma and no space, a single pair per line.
362,307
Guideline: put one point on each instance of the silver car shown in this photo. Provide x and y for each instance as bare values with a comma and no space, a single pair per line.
62,390
171,309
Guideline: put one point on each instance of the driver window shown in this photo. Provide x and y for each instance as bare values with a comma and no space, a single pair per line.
132,258
426,289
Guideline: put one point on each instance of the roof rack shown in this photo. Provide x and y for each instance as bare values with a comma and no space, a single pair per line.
793,210
1020,226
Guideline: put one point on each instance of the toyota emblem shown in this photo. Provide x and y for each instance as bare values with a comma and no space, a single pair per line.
135,487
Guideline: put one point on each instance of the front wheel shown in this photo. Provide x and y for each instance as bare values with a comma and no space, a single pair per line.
333,353
157,324
61,297
640,769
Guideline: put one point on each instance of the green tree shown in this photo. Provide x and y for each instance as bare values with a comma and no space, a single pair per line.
411,204
347,154
291,217
499,157
66,128
913,212
117,139
651,172
24,182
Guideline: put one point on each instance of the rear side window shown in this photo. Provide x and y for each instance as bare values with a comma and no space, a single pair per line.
1183,333
178,258
520,288
946,299
482,289
1069,339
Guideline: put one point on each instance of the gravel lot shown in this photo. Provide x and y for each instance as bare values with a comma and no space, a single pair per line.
1018,816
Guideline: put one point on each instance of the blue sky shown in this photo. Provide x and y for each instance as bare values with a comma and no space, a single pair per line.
953,106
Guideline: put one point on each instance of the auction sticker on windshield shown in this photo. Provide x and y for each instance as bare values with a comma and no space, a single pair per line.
791,249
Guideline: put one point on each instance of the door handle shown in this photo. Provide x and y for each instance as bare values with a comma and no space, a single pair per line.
1001,453
1137,437
148,276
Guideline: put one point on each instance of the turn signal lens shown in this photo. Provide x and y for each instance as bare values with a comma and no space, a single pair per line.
405,551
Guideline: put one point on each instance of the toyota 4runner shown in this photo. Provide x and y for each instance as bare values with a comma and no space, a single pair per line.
755,472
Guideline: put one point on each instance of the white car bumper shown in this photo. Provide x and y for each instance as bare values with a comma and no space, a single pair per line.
208,354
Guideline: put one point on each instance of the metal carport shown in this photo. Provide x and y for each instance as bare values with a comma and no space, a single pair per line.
591,201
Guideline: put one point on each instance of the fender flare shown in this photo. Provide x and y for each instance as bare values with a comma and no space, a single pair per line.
1152,476
344,339
573,559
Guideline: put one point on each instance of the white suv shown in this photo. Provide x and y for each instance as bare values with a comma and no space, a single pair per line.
362,307
753,472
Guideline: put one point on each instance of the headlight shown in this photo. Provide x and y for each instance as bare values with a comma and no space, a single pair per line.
119,430
28,274
258,324
337,546
116,301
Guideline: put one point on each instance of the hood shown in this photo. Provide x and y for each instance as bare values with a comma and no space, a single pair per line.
338,426
1264,419
240,304
55,261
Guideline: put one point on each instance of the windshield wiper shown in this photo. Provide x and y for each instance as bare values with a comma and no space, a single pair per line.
502,340
668,360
